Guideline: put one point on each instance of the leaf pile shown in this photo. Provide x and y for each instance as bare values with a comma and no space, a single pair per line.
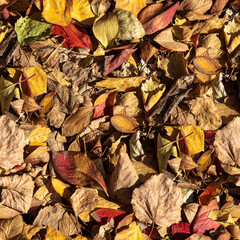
119,119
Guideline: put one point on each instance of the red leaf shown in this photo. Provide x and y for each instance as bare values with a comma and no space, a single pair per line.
202,223
74,36
160,21
77,169
112,62
210,192
152,233
181,231
104,104
210,136
25,85
104,215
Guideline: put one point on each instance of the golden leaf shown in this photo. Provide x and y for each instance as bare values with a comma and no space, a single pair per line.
39,136
57,11
131,233
133,6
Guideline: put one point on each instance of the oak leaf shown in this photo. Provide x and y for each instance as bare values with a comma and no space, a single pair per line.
161,204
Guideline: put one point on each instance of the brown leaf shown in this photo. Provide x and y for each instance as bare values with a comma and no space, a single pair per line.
190,211
50,216
218,6
227,143
161,204
124,123
12,143
38,155
17,192
12,227
30,104
84,200
160,21
123,179
187,163
206,65
195,5
77,121
198,237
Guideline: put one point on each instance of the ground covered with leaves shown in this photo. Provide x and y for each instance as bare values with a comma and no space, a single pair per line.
119,119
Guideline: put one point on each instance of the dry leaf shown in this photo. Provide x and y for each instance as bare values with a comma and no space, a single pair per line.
39,136
76,122
57,11
136,149
123,179
12,143
29,231
124,123
63,189
17,192
38,155
206,113
227,143
162,204
187,162
190,211
131,233
195,5
54,234
83,200
121,84
30,104
206,65
166,39
198,237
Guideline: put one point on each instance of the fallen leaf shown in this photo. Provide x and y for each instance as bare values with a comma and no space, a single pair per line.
195,5
202,223
104,215
121,84
206,113
162,204
47,103
99,7
77,169
187,163
57,11
17,192
131,233
12,228
37,82
166,39
63,189
135,145
29,104
205,161
213,189
82,12
114,61
190,211
181,230
161,20
124,123
198,237
38,155
206,65
73,36
104,104
29,231
12,143
134,6
54,234
77,121
123,179
30,29
105,29
226,143
39,136
129,25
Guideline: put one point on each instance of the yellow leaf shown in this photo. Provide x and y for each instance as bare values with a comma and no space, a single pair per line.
61,188
82,12
133,6
53,234
222,217
195,141
80,238
131,233
57,11
121,84
105,29
47,103
38,83
39,136
206,65
205,161
4,30
124,123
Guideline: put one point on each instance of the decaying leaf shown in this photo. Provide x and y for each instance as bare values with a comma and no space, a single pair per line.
162,204
227,143
124,123
76,168
17,192
12,143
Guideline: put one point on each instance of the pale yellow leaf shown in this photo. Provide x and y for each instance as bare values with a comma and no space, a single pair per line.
57,11
39,136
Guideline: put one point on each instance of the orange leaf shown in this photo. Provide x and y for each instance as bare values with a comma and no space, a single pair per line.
206,65
124,123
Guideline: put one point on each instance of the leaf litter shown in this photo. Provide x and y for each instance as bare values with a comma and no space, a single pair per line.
119,119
